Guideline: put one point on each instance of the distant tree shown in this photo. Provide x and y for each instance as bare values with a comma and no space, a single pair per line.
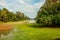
26,18
19,15
11,16
0,14
6,15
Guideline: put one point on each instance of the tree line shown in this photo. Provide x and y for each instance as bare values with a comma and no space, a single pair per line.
49,13
6,15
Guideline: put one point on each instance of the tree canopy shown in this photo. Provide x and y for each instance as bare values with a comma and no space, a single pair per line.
6,15
49,13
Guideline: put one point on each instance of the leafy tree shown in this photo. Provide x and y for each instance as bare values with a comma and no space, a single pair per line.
6,15
19,15
49,13
11,16
26,18
0,14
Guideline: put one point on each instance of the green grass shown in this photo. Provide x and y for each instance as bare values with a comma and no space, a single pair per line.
25,32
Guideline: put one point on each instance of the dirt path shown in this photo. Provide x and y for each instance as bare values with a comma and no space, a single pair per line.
5,27
9,25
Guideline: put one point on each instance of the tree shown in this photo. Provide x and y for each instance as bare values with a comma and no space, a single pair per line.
6,15
19,15
3,15
0,14
49,13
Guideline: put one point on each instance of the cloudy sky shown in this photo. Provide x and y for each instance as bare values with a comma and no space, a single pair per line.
28,7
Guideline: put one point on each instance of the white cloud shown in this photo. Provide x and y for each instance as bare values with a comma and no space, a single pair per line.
32,9
23,6
2,3
21,1
24,1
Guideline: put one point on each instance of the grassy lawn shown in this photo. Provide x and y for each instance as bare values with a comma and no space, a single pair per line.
25,32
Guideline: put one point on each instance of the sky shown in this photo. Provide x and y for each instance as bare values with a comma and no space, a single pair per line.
28,7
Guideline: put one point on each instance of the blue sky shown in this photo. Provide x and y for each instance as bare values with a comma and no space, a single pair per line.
28,7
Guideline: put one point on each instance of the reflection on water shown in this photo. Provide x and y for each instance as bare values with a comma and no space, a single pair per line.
8,35
5,32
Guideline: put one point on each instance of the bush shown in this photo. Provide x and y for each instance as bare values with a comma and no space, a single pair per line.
46,20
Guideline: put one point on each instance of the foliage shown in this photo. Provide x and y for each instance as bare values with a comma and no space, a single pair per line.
6,15
49,13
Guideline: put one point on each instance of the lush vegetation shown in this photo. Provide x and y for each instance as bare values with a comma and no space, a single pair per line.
6,15
49,13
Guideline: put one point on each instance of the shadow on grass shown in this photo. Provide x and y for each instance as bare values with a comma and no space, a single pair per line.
44,26
57,39
38,26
